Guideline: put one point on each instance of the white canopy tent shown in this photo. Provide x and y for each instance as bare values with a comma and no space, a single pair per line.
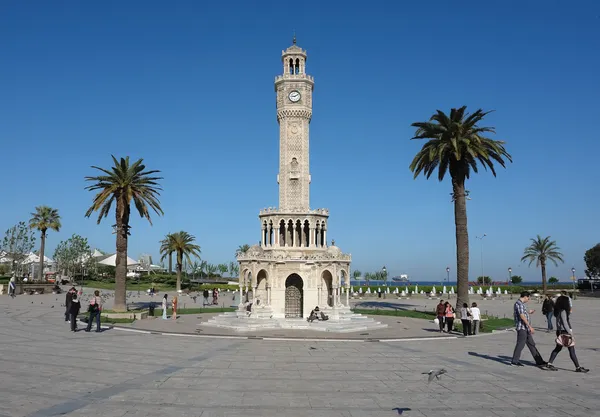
112,261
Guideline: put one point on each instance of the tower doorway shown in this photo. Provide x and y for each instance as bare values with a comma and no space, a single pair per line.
294,296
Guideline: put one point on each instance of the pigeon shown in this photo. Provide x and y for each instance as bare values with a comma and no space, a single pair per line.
400,410
313,348
434,374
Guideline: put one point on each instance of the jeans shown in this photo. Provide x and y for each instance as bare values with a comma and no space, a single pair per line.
549,318
449,324
475,327
526,338
466,325
73,322
441,320
93,315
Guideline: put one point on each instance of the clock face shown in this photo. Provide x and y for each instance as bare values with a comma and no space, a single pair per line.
294,96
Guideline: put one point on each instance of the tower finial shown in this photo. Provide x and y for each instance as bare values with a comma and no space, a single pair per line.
294,39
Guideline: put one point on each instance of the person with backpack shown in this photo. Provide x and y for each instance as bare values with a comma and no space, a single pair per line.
74,311
548,311
95,308
564,334
440,312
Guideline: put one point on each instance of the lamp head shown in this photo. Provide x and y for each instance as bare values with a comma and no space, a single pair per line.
509,269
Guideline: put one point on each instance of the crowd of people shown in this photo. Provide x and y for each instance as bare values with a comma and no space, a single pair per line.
73,308
470,318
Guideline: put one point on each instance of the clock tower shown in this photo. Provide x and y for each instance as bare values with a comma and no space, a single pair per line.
294,110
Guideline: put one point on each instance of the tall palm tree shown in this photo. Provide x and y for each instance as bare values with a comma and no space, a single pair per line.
43,219
183,246
234,269
166,249
124,184
356,274
456,144
242,249
541,251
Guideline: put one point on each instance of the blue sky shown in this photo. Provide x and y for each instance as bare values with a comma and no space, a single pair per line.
188,86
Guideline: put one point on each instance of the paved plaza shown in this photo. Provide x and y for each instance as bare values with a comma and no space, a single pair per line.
47,370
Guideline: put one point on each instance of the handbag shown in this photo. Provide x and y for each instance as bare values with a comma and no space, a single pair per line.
565,340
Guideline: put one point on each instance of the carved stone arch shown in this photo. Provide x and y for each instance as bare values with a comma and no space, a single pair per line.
327,284
262,282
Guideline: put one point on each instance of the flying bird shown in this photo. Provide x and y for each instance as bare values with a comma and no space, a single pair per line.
401,410
434,374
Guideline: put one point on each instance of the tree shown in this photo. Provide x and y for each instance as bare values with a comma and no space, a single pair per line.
516,279
166,250
592,261
484,280
73,255
456,144
124,184
234,269
541,251
242,249
222,269
211,270
43,219
356,274
553,281
183,246
367,277
18,241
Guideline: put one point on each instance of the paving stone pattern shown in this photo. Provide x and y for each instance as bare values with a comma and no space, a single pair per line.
47,370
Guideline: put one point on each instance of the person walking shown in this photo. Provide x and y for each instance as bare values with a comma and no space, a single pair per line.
174,315
524,332
476,314
74,311
165,304
12,287
548,311
95,310
564,334
68,298
449,313
440,312
465,318
205,294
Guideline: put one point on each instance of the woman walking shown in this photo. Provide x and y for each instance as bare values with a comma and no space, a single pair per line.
564,334
164,307
476,314
449,317
465,318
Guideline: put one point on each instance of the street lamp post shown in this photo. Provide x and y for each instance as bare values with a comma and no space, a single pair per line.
573,279
481,240
384,272
510,281
448,275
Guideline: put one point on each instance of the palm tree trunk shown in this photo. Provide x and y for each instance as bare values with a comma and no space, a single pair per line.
42,248
170,262
543,263
121,261
179,266
462,242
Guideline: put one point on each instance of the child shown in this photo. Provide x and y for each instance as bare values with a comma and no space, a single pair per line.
74,311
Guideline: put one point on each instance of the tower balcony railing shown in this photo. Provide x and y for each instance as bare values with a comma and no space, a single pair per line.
295,77
275,210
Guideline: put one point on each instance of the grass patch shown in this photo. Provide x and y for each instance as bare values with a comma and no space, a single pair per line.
131,286
427,315
181,311
108,320
487,325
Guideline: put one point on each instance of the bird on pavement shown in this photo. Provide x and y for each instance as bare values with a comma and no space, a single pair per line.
434,374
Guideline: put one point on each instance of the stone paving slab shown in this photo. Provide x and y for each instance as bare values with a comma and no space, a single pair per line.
47,370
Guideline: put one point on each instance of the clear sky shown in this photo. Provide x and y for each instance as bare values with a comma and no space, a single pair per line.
188,86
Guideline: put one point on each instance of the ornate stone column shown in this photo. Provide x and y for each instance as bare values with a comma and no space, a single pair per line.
324,237
347,296
311,237
262,238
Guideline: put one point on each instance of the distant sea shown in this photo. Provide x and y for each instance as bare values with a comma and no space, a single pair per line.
412,283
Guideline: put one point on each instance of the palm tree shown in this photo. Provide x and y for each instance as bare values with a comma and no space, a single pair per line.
183,246
123,184
222,269
367,277
166,249
234,269
43,219
242,249
211,270
541,251
356,274
456,144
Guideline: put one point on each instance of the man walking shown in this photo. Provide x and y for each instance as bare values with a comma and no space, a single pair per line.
548,311
440,312
524,332
95,309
